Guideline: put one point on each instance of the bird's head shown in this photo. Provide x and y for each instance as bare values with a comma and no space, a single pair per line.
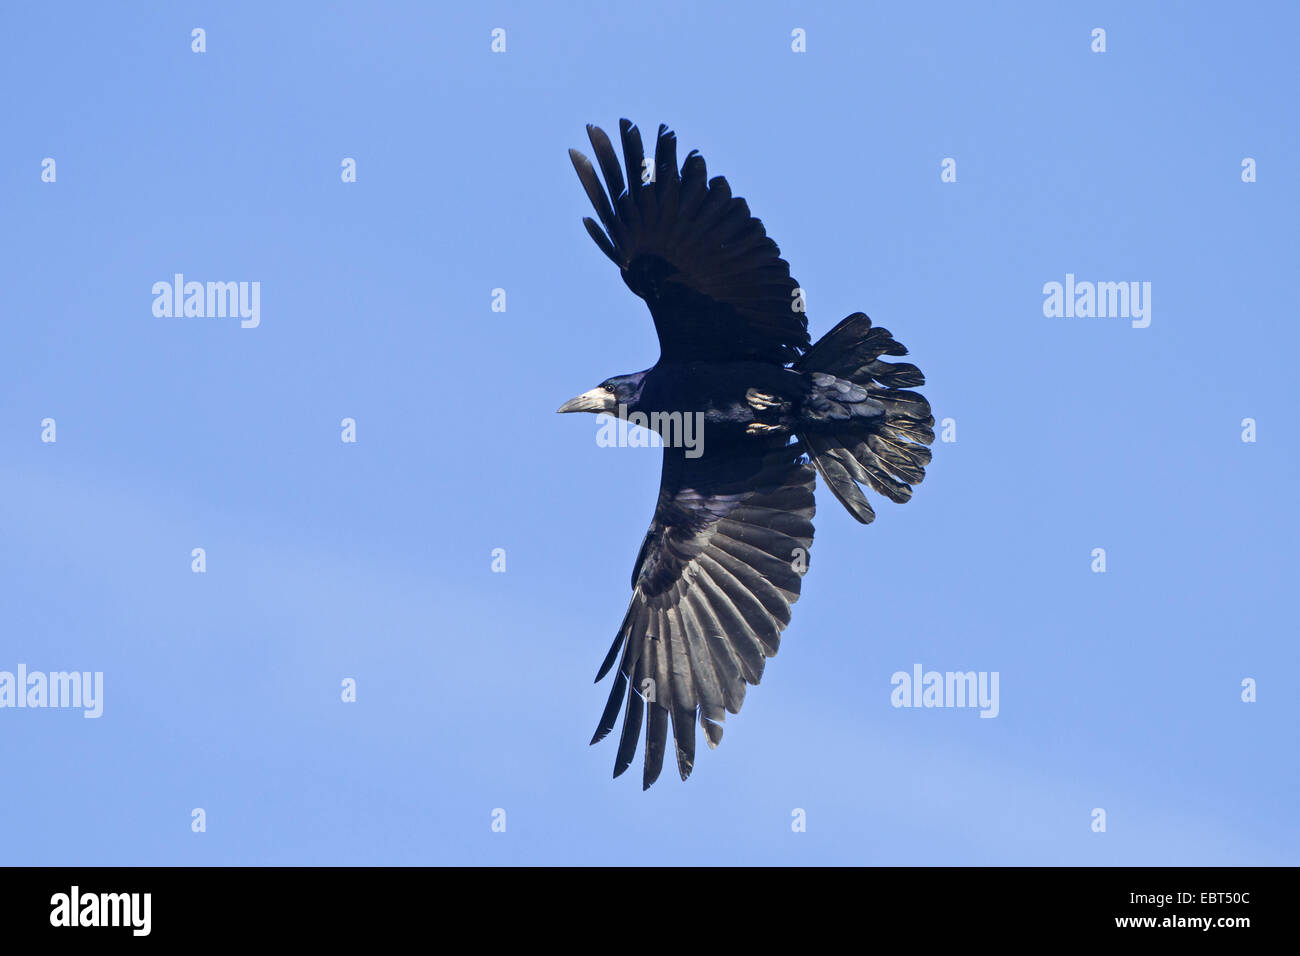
614,396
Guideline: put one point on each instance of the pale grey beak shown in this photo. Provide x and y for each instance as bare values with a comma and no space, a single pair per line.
596,400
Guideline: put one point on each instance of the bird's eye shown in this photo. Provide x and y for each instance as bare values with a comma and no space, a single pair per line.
609,388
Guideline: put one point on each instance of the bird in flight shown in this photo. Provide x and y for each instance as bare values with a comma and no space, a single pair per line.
728,545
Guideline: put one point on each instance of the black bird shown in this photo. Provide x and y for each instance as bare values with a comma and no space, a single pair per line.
724,557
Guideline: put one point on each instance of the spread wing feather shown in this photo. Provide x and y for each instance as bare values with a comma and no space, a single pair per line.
715,282
713,584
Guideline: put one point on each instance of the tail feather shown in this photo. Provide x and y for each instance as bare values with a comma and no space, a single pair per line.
863,426
833,468
849,346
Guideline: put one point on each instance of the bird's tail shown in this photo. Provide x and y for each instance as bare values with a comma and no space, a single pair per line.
860,424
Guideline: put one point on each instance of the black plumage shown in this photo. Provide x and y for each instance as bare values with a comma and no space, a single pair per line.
723,560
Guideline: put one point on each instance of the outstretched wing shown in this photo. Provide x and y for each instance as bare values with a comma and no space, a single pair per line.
712,589
716,285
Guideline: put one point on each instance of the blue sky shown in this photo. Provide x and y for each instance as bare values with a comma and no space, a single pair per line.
372,560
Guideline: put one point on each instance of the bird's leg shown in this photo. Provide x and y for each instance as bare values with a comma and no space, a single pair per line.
764,401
